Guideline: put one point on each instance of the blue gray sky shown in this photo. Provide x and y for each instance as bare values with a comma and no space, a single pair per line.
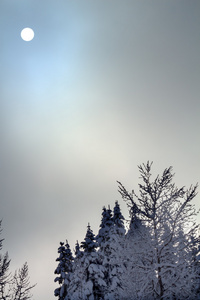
103,87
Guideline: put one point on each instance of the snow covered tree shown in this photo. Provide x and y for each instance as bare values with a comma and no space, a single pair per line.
103,239
94,270
114,256
88,276
110,239
75,290
158,258
138,253
78,252
89,244
64,270
195,261
106,224
163,209
118,220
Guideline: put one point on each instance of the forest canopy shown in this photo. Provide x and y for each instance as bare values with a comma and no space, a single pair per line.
158,257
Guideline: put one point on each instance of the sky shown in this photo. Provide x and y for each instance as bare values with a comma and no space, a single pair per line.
103,87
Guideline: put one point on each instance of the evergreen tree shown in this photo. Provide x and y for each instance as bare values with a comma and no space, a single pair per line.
64,270
75,290
111,239
106,224
89,244
94,269
78,252
113,256
88,276
103,239
118,220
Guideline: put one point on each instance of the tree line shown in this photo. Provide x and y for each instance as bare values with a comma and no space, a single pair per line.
157,257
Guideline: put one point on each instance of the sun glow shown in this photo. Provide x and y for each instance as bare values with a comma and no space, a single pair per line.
27,34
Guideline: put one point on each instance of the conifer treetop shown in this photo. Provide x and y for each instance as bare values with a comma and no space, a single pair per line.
89,245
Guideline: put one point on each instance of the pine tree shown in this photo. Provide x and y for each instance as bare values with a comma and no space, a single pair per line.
94,269
78,252
118,220
88,276
110,240
114,256
106,224
103,239
89,244
75,290
64,270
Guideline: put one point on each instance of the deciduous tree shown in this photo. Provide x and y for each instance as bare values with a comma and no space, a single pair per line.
13,287
169,215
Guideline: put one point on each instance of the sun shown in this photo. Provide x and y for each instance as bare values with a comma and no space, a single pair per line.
27,34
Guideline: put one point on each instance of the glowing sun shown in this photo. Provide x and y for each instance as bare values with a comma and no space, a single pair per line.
27,34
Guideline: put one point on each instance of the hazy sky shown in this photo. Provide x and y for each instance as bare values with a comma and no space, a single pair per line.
105,85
